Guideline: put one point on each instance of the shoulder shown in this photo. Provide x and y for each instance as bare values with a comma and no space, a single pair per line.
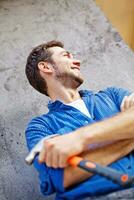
38,124
108,90
42,119
37,129
115,91
116,94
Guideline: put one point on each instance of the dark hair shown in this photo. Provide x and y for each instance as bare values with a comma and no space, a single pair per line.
38,54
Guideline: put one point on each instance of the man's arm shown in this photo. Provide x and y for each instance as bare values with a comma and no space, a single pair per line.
61,148
116,128
56,151
103,156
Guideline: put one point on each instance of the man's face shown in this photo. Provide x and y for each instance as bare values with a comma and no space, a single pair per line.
67,68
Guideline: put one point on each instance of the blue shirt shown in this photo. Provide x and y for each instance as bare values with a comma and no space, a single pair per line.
63,119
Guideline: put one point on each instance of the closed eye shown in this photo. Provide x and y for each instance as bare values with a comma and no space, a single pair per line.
69,55
66,55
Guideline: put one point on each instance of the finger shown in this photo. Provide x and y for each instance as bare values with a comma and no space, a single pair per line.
49,159
55,160
122,107
49,152
42,155
63,161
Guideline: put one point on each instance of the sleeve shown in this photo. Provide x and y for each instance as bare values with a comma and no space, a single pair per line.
117,94
51,180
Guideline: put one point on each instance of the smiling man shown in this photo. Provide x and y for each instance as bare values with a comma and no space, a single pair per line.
53,71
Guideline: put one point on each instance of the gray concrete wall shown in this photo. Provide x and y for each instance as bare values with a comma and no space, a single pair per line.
80,24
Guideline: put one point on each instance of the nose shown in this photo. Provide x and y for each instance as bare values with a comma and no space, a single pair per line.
73,57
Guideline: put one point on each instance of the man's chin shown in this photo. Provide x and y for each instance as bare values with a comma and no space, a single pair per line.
78,81
71,80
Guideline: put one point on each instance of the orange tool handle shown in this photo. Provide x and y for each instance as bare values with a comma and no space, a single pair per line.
107,172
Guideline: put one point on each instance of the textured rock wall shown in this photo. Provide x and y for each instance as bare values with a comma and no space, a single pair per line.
106,61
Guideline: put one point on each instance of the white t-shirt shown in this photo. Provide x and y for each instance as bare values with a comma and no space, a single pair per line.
80,105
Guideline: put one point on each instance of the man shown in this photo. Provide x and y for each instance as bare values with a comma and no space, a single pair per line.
54,72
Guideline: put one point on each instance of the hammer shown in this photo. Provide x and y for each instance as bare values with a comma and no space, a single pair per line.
76,161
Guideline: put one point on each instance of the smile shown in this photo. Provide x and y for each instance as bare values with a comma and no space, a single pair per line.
76,65
75,68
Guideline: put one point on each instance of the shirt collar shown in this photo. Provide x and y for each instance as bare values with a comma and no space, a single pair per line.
57,105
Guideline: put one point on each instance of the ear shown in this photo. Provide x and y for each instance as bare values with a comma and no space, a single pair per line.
45,67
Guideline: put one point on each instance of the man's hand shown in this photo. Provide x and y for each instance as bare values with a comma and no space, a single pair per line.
127,102
57,150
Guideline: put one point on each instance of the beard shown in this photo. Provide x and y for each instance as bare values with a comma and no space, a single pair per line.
69,80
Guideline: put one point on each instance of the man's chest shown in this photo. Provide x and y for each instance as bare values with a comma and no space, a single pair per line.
67,120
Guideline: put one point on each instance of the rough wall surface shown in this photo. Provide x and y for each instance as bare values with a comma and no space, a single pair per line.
106,61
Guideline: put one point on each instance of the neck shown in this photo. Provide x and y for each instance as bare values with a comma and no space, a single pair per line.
60,92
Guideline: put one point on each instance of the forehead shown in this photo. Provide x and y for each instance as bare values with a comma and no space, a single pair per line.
56,50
